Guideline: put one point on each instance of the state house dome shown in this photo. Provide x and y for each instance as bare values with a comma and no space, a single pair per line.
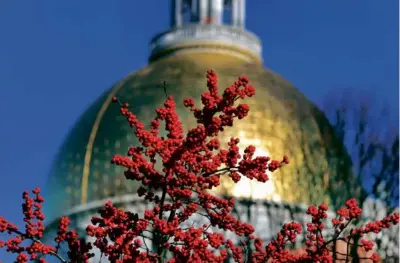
281,120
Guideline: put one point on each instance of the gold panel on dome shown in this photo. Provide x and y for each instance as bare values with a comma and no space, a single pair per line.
117,145
118,181
77,168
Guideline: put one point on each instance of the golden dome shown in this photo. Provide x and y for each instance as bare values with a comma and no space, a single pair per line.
281,121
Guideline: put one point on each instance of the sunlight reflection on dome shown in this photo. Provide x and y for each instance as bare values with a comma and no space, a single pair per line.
251,188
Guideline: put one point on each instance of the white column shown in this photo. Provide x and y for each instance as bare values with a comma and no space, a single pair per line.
242,14
176,16
217,11
235,5
202,10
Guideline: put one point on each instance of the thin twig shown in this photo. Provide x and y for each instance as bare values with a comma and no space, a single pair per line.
165,89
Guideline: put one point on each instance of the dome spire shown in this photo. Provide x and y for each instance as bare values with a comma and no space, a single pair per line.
207,25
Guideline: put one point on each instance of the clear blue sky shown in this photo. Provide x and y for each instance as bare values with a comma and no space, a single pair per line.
56,57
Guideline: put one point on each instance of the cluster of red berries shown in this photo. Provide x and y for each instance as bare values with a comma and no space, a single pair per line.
34,228
191,165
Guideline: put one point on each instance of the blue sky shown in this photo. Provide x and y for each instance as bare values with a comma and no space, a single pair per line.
56,57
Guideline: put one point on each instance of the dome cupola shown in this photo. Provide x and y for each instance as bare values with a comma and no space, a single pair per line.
207,25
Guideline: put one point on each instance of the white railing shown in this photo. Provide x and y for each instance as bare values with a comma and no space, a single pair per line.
213,33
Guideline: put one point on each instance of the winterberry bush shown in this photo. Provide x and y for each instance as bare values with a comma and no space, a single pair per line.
191,166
